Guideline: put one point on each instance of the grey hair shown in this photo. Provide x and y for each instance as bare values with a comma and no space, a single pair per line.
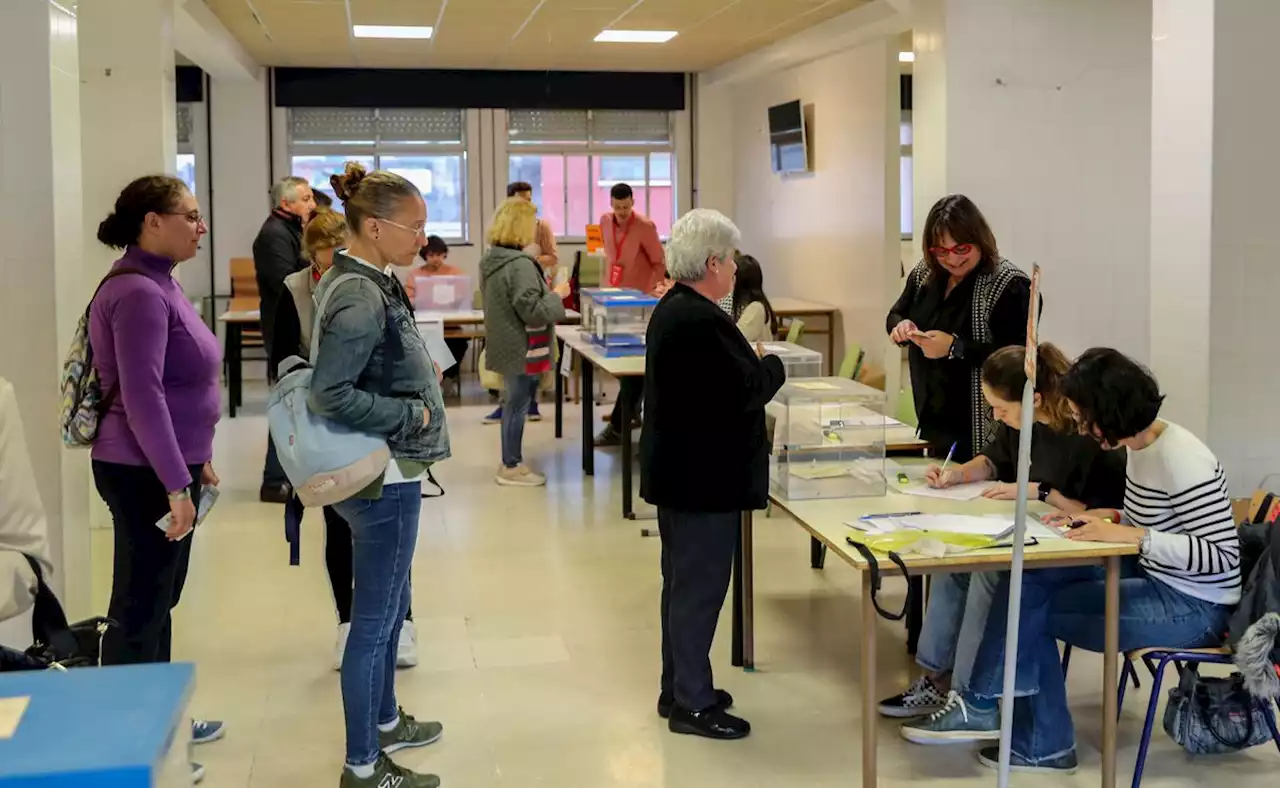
286,189
697,236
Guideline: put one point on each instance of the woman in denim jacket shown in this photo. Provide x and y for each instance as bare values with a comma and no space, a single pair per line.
373,374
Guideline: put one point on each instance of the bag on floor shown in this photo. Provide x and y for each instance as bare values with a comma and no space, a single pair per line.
57,644
326,462
83,401
1213,716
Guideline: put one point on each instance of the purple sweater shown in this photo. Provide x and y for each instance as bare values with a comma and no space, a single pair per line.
151,349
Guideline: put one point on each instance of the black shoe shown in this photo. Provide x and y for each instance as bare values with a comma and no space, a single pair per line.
275,493
666,702
713,723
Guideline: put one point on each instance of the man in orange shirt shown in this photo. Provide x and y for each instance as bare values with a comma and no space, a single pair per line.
634,259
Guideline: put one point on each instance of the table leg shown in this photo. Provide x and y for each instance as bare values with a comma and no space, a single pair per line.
235,370
624,409
1110,672
870,714
559,394
817,553
588,419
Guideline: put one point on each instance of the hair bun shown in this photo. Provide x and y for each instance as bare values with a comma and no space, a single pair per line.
345,185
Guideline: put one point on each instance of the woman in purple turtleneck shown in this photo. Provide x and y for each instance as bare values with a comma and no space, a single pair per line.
158,365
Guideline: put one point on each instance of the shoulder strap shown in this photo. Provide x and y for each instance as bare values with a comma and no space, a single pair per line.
874,566
49,622
320,309
112,274
394,347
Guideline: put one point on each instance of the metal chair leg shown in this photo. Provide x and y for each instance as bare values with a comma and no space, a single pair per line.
1127,673
1269,714
1145,744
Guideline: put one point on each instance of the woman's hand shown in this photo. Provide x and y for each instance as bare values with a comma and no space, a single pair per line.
939,479
1004,491
1094,529
208,476
182,518
563,290
934,344
902,332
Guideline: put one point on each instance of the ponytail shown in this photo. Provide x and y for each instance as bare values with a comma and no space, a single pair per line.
1005,373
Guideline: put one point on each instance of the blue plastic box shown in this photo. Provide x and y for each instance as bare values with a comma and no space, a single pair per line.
615,319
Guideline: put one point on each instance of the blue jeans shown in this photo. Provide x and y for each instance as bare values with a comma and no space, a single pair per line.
954,623
519,391
1069,605
383,535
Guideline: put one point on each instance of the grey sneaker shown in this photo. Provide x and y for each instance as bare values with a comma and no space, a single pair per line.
409,733
921,699
519,476
387,774
955,723
1063,764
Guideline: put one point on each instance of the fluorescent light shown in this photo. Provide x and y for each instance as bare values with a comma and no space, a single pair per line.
636,36
392,31
906,57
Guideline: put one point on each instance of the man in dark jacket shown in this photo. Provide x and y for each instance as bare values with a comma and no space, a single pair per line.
277,252
703,460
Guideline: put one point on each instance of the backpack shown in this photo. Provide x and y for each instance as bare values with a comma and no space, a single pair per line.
326,462
83,401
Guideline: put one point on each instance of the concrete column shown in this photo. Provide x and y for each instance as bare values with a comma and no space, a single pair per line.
1039,110
42,293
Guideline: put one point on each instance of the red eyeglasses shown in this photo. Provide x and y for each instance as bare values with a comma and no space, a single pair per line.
959,250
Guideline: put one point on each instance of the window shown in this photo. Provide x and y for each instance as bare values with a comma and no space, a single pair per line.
426,146
572,158
185,163
906,169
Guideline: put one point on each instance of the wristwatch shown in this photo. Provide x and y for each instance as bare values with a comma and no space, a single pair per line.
1043,494
957,348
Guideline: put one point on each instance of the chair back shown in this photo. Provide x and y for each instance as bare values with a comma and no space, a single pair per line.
906,411
795,331
852,363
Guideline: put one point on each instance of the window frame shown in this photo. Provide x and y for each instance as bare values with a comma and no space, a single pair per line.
377,149
592,150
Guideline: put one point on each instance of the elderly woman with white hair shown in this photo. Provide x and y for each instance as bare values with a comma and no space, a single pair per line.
703,460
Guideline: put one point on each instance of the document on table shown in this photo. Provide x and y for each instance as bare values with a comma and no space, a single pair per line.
960,492
998,526
11,711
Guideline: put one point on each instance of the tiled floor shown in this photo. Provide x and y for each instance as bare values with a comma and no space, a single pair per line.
538,621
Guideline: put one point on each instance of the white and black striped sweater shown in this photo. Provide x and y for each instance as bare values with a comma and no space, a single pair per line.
1177,489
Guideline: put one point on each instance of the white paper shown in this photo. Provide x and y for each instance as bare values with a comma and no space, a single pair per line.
11,711
443,294
960,492
438,350
994,525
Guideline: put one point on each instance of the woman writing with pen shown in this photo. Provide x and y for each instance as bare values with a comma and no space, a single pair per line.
1069,471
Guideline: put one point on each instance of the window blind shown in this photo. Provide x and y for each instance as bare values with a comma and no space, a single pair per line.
547,126
420,125
311,125
627,126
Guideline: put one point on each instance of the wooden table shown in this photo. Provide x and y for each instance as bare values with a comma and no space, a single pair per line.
620,367
465,324
824,520
795,307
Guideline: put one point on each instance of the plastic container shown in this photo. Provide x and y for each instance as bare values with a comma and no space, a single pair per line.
444,293
828,440
798,361
615,319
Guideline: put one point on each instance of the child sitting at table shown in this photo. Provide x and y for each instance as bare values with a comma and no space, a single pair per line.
1069,471
1177,592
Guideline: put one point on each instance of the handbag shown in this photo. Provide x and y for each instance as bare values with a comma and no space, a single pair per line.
57,644
1213,716
326,462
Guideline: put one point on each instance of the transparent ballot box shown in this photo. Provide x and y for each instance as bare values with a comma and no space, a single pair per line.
615,319
441,293
828,439
798,361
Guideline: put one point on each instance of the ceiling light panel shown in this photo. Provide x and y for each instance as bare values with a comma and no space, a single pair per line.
635,36
392,31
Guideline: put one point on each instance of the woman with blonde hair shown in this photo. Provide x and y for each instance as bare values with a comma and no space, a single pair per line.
519,312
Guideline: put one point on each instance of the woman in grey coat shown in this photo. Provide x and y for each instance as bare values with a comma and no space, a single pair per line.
519,314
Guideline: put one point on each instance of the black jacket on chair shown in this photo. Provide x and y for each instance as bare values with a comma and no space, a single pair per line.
703,446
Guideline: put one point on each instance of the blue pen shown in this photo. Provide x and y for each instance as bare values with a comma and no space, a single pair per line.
947,461
887,516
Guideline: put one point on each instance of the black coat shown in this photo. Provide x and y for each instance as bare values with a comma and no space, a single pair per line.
1260,567
703,447
277,252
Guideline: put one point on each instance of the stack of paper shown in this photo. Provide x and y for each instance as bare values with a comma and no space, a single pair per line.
960,492
998,526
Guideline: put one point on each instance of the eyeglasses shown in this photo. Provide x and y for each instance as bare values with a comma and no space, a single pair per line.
959,250
418,230
194,217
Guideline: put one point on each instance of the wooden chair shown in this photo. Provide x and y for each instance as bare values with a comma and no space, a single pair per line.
245,296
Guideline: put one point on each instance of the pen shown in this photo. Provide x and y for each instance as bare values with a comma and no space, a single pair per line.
888,515
947,461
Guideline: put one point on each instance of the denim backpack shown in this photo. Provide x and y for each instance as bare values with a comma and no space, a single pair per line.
325,461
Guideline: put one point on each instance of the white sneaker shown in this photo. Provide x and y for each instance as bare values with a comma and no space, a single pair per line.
340,647
407,648
519,476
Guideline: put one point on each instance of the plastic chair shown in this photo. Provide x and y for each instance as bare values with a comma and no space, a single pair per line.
906,410
852,363
795,331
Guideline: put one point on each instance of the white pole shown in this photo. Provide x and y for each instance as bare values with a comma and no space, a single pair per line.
1015,582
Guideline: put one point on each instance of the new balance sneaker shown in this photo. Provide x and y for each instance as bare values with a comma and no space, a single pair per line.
387,774
1063,764
340,645
534,413
495,417
956,722
407,648
519,476
921,699
205,731
409,733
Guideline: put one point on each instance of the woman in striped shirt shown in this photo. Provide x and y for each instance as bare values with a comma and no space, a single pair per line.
1177,592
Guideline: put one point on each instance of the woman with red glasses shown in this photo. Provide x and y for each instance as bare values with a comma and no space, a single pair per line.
961,303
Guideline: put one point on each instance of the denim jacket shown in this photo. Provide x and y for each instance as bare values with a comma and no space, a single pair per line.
347,381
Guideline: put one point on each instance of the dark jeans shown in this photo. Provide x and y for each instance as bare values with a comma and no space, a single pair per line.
272,473
697,559
337,559
458,348
383,535
149,570
633,390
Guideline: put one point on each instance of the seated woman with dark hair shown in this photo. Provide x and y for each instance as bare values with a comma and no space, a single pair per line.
1177,592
